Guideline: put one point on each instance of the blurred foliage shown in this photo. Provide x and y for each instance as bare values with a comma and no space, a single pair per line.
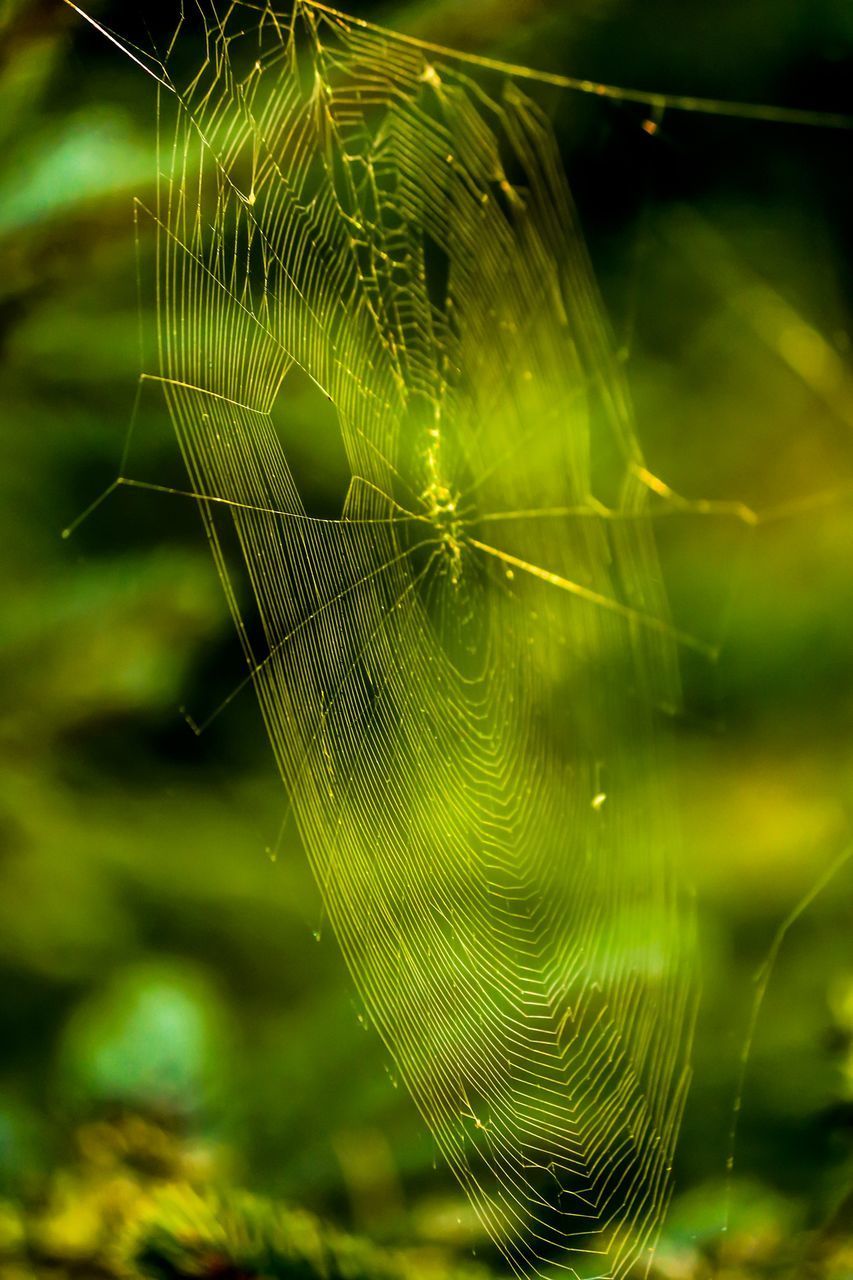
139,1199
162,949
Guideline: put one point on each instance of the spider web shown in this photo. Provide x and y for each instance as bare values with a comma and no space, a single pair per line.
461,675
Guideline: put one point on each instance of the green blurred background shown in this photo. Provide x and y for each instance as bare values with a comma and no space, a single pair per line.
162,948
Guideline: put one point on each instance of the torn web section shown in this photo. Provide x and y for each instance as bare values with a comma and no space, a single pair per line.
454,671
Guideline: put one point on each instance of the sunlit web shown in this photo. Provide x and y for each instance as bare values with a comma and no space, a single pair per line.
460,676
